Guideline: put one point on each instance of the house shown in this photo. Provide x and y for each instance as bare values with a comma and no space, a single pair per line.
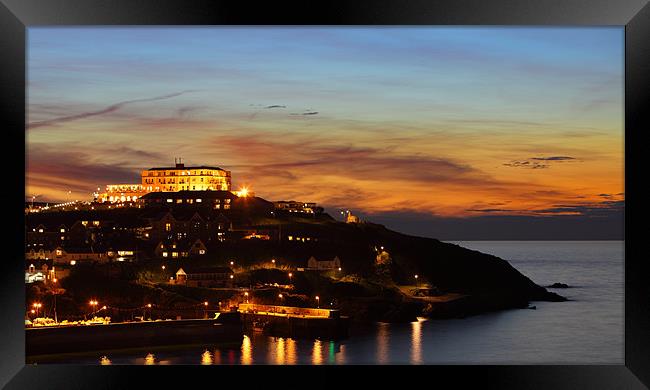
73,255
291,206
204,276
208,199
180,248
38,253
187,224
313,264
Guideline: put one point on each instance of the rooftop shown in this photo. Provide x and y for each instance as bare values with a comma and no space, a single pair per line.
183,167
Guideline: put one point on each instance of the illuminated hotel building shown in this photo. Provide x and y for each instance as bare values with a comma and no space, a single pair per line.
169,179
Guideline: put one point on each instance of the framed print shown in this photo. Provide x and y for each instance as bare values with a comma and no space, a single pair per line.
441,188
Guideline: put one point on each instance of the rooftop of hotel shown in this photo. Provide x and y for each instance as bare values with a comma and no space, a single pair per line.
181,166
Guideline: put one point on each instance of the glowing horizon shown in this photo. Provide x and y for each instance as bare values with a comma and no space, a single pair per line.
451,122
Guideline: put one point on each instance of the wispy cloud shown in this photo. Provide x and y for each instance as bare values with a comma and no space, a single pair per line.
107,110
538,162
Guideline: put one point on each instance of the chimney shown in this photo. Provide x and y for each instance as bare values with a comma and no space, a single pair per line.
179,163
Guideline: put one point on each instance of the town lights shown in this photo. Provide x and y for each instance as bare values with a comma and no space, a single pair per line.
37,306
149,305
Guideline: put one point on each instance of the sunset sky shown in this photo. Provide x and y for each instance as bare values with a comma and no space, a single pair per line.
396,124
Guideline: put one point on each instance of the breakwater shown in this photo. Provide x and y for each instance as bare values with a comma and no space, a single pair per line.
296,322
226,328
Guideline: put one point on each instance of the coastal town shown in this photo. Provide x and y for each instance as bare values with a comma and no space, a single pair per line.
183,245
182,231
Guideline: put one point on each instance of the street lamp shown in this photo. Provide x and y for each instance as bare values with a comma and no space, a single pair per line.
54,292
92,304
317,301
37,306
416,281
246,295
273,261
290,276
163,267
232,263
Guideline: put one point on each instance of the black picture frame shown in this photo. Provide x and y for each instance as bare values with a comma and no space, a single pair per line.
17,15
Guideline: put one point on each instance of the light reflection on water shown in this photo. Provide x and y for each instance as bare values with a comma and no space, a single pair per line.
383,334
317,354
416,342
586,330
246,351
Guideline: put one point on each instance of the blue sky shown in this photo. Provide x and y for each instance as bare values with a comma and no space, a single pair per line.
449,119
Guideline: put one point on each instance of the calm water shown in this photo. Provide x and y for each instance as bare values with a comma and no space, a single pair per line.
588,329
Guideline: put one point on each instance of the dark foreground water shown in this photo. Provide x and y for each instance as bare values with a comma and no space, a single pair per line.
588,329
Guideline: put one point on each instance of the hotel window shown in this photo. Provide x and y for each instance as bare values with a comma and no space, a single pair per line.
40,230
62,237
58,252
199,200
217,206
179,200
168,227
170,200
174,254
95,223
190,201
201,251
164,254
227,201
62,230
290,238
226,206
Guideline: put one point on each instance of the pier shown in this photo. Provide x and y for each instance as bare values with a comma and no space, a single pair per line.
226,328
296,322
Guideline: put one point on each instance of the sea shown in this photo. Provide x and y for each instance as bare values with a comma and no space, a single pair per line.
587,329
